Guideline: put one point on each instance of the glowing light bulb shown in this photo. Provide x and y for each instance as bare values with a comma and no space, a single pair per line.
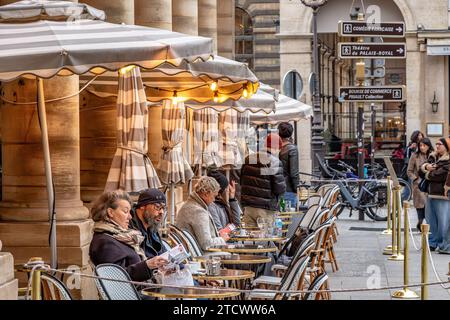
126,69
245,93
213,86
175,99
216,97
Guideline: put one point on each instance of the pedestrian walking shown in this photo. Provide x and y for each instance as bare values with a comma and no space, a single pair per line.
417,159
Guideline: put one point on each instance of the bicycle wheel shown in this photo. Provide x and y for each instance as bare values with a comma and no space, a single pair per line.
376,205
405,188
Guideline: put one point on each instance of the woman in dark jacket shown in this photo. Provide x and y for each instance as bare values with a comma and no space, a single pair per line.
114,243
289,158
437,208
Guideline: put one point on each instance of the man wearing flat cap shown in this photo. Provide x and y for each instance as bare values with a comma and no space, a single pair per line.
148,214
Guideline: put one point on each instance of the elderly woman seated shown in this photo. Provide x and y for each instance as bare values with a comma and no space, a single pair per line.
114,242
195,218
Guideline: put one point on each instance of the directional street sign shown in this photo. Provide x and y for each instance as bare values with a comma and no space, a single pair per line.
355,50
373,94
364,29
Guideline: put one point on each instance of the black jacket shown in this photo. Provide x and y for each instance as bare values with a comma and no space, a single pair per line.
152,243
289,158
262,181
105,249
437,177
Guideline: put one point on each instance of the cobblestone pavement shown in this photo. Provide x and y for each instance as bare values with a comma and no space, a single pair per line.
361,262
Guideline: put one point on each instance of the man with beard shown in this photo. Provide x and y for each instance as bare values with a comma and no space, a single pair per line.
147,216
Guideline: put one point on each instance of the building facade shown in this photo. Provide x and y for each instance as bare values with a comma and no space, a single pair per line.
424,72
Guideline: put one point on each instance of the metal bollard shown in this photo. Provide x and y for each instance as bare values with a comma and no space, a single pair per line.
392,249
405,293
397,253
388,231
424,267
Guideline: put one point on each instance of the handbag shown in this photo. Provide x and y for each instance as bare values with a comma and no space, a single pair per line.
423,185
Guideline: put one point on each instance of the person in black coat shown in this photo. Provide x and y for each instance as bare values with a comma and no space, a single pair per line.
147,217
113,242
289,159
262,183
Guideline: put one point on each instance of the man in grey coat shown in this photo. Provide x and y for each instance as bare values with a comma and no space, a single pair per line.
194,215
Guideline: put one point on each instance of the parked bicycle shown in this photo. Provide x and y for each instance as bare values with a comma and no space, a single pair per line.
368,196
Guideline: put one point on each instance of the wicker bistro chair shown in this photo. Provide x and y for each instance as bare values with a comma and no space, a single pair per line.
318,253
115,290
53,288
319,283
292,280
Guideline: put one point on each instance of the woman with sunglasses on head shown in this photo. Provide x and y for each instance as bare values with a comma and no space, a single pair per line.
437,208
418,158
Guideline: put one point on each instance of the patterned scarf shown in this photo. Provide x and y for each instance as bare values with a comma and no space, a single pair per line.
130,237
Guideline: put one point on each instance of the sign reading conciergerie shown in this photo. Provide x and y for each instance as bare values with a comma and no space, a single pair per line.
373,94
364,29
352,50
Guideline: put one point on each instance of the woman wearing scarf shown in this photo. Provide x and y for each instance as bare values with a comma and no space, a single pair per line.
225,209
114,243
437,208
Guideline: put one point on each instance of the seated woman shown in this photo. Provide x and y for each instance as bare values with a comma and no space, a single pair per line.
195,218
225,209
114,243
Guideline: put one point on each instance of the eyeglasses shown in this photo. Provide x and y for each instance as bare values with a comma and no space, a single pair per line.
159,207
439,144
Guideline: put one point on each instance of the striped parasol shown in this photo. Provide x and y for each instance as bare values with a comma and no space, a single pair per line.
32,10
173,168
206,138
48,48
131,169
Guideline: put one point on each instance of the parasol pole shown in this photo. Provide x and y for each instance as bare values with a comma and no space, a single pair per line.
172,203
48,171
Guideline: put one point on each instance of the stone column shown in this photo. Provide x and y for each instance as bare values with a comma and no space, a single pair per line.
225,28
97,142
416,110
185,16
116,11
8,285
153,13
207,20
295,53
24,209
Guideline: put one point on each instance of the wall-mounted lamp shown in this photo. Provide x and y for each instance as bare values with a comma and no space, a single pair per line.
434,104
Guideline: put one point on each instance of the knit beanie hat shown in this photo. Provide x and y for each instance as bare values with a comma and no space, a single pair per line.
220,178
446,143
150,196
273,140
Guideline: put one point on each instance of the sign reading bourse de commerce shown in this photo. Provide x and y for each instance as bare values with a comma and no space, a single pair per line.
373,94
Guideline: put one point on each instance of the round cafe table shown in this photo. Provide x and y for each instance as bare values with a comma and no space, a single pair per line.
254,263
241,259
256,238
232,278
239,248
188,293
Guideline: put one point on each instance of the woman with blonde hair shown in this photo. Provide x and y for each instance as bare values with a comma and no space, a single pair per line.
113,242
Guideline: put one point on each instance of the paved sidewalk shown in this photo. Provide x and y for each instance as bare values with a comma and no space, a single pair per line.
360,260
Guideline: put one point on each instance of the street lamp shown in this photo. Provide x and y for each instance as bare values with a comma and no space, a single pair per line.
434,104
317,142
